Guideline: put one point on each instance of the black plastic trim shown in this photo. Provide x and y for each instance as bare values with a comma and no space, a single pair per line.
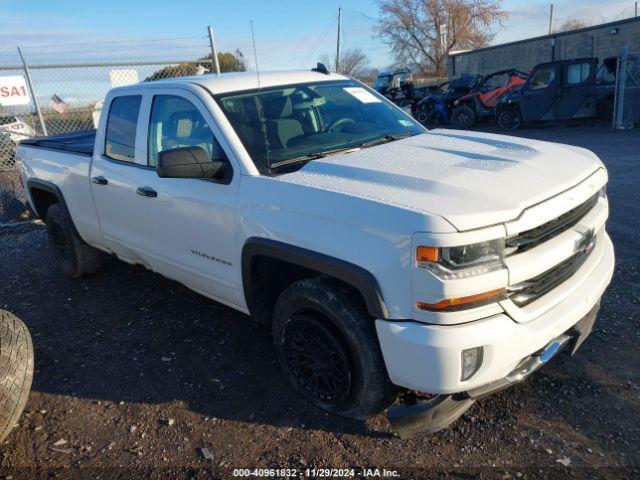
347,272
77,143
47,187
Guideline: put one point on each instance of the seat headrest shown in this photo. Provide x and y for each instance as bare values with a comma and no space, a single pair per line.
276,107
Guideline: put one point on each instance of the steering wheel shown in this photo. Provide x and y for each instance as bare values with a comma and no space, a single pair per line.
339,123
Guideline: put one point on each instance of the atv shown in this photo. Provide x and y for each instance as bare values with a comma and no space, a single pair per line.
561,90
480,102
435,108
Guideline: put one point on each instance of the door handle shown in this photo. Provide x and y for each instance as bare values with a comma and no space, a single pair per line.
100,180
146,192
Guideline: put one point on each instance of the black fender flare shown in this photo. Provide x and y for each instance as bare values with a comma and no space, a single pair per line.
35,183
354,275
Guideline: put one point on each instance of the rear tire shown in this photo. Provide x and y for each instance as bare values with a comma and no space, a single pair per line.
16,370
463,117
607,114
328,346
509,119
73,256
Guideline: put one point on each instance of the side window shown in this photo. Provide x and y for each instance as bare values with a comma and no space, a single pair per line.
542,78
175,122
578,73
120,141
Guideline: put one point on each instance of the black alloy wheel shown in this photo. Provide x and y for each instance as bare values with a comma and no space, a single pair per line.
318,360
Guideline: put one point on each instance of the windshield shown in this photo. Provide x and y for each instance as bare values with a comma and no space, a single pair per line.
383,81
284,123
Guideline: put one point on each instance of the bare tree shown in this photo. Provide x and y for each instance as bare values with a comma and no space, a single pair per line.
422,32
571,24
353,61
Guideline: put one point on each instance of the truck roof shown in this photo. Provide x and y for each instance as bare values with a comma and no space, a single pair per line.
239,81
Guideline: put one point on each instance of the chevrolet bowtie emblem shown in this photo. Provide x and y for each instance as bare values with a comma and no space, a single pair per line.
587,241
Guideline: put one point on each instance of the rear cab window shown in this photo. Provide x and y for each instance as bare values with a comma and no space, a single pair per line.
578,73
122,122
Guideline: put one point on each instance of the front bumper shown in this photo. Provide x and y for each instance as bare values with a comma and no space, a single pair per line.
427,358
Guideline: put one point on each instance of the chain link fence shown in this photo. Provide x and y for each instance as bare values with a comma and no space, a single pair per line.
627,102
62,89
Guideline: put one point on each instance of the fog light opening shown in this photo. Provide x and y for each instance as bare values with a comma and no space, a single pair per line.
471,362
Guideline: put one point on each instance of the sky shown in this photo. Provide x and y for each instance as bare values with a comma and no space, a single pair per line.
289,33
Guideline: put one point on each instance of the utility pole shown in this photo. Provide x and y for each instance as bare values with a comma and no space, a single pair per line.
636,10
338,43
214,54
551,19
33,93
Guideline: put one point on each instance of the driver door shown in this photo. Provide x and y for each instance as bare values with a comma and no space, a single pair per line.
540,92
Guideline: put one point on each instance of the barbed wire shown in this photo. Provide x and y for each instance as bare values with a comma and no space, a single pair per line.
106,42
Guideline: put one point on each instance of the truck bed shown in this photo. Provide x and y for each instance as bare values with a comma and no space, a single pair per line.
80,143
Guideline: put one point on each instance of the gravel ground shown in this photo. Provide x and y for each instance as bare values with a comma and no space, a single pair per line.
135,375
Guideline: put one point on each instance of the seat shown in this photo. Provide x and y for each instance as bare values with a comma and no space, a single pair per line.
281,126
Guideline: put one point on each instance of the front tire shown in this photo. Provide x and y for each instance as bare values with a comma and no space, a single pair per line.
509,119
73,256
463,117
328,346
16,370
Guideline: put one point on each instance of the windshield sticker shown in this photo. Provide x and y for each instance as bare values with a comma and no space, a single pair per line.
362,95
405,123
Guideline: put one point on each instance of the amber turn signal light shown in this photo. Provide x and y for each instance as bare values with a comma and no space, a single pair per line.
463,303
427,254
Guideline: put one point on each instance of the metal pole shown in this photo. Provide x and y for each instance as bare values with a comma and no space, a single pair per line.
551,19
621,80
215,65
636,10
33,92
338,43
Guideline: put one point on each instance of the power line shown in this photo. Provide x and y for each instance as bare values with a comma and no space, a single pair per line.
320,40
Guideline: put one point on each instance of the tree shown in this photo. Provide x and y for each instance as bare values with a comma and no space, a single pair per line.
229,62
353,62
422,32
571,24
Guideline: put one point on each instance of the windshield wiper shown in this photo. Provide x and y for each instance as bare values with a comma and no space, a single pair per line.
386,139
311,156
315,155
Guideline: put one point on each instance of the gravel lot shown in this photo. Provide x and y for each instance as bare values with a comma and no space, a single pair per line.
135,374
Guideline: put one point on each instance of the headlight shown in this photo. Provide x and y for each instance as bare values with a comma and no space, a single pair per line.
464,261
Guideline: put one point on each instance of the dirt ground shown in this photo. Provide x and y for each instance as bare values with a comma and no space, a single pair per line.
135,375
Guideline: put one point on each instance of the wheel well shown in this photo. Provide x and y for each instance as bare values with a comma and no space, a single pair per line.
271,276
42,200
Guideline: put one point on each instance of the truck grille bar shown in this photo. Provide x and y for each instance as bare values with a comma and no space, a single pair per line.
528,291
531,238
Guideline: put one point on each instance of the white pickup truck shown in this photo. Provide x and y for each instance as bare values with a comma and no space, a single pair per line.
383,255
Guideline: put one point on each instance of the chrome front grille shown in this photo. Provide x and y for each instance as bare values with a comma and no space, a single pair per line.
534,237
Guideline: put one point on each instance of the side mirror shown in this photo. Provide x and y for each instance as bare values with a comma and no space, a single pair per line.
188,162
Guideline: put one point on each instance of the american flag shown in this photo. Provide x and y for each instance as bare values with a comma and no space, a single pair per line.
58,105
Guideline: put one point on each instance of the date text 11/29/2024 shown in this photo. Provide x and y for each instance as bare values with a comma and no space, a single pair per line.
316,473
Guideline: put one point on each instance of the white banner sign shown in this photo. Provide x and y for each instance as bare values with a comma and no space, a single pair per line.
14,91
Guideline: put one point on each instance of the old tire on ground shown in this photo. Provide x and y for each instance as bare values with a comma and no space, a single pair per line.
16,370
74,257
509,119
328,346
463,117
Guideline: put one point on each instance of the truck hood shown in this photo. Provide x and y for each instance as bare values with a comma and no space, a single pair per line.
470,179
